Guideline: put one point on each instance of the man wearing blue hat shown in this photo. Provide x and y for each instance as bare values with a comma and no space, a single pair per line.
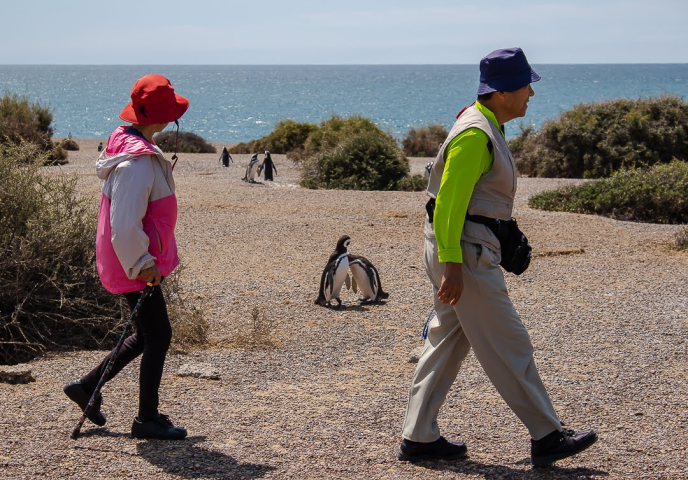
472,188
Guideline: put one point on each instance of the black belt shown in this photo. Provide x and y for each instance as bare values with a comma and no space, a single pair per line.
498,227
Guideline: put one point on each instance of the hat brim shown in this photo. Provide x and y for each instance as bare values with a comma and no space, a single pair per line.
163,114
510,84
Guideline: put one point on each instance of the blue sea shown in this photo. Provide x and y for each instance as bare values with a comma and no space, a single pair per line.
239,103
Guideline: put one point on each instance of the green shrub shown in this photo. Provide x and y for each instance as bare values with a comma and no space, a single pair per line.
681,242
424,141
69,144
596,140
413,183
335,131
365,161
288,137
50,294
23,121
658,195
188,142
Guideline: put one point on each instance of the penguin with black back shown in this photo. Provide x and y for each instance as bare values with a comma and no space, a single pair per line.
334,275
251,169
367,279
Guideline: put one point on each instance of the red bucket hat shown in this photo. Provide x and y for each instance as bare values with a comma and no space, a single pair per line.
153,101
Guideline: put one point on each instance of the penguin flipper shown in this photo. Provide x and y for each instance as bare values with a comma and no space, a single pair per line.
347,282
354,285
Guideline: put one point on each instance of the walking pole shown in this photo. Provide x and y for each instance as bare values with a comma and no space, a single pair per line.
134,313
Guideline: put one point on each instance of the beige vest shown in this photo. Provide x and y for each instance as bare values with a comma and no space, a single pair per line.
493,195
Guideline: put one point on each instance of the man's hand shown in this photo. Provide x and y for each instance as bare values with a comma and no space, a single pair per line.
151,275
452,283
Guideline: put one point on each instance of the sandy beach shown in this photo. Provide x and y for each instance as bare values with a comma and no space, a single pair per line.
605,302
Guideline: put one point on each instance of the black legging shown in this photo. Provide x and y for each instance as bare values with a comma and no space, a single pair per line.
152,338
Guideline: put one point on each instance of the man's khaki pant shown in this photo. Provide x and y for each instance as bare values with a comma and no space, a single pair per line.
484,318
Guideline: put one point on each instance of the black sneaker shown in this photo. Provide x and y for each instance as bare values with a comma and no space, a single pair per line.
558,445
78,394
440,449
159,427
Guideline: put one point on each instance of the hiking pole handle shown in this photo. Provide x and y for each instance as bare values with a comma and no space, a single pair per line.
134,313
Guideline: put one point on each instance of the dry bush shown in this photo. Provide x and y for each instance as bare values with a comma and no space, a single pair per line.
22,121
681,242
258,333
50,294
189,325
69,144
424,141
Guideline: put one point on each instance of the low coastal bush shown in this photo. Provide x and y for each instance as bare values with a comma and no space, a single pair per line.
594,140
424,141
657,195
50,295
288,137
189,325
353,154
69,144
681,242
188,142
24,121
413,183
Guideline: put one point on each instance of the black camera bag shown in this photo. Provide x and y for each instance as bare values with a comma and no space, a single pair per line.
516,252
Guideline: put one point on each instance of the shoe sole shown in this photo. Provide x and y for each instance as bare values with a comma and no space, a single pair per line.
429,457
153,437
550,459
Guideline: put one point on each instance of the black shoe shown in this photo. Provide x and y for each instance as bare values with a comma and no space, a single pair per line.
159,427
78,394
558,445
440,449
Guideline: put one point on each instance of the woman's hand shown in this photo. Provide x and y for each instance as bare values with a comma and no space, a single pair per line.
151,275
452,283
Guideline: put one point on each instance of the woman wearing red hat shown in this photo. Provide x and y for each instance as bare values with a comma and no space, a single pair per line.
135,245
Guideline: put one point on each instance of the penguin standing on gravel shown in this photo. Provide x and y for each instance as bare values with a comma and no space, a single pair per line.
251,169
366,277
334,275
428,169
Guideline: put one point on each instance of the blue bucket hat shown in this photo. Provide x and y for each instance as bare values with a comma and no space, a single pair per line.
505,70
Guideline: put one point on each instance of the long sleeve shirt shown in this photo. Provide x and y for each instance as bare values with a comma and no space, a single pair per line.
467,158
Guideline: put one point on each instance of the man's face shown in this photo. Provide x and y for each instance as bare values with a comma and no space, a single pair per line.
516,102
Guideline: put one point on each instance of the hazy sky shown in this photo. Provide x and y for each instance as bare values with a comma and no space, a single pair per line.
341,32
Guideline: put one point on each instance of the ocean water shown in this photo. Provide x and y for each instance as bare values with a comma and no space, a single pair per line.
238,103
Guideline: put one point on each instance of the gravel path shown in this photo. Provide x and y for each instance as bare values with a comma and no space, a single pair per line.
606,303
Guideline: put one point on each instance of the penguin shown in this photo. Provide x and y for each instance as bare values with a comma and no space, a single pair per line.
366,277
251,169
334,275
428,169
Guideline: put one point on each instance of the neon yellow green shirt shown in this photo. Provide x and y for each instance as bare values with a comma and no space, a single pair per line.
467,158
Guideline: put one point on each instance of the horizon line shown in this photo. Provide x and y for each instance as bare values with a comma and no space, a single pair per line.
307,64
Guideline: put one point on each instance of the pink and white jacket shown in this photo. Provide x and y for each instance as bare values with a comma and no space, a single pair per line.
138,212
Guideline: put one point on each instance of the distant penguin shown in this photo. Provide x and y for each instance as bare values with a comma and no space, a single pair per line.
334,275
225,157
268,165
428,169
251,169
367,279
